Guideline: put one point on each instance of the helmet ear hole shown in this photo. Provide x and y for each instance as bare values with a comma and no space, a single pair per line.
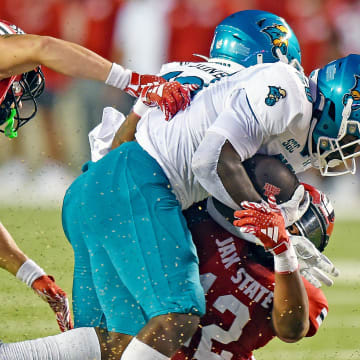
332,111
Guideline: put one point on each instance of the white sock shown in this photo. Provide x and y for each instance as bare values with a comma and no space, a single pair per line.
137,350
29,271
81,343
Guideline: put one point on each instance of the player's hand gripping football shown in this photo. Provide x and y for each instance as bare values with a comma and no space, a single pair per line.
314,266
47,289
266,222
156,91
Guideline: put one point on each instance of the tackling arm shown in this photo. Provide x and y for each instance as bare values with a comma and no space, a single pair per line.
22,53
290,314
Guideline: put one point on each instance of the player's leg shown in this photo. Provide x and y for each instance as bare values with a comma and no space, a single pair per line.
150,247
112,344
81,343
86,307
99,297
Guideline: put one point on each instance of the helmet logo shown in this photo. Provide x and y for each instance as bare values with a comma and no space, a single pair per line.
279,36
219,44
354,94
270,189
274,95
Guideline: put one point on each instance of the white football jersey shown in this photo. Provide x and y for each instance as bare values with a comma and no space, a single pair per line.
200,73
272,100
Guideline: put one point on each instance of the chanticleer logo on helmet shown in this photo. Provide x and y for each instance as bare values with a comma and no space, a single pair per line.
279,36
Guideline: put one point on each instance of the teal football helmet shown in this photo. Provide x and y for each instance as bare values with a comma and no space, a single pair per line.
252,36
335,129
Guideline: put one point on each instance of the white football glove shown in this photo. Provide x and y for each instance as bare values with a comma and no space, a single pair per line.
313,264
296,207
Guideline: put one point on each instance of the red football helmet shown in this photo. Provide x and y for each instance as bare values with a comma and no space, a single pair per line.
17,89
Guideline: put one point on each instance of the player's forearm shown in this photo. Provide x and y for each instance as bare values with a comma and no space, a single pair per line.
73,60
22,53
11,257
234,176
290,314
18,54
219,170
126,131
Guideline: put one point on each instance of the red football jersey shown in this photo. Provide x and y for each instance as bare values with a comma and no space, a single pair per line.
239,294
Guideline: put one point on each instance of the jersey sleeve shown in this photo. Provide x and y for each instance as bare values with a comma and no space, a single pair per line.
318,307
269,100
279,97
238,124
172,67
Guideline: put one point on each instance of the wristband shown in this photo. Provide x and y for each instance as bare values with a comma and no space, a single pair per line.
286,262
118,77
29,271
140,108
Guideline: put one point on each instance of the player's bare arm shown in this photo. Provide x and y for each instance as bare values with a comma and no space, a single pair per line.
22,53
18,264
11,257
290,314
234,176
126,131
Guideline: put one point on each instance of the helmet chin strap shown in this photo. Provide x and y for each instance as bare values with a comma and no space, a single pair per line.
9,130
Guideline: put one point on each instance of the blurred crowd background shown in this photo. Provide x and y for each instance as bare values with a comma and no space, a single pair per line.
37,167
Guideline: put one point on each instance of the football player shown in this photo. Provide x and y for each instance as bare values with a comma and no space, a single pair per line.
21,79
245,305
155,178
245,291
241,40
265,108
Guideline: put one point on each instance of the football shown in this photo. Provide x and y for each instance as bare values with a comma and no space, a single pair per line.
271,176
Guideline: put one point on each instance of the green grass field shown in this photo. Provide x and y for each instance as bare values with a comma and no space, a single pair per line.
38,232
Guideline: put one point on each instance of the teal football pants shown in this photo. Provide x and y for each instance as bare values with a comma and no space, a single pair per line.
134,255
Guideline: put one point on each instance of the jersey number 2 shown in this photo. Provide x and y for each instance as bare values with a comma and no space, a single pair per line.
215,332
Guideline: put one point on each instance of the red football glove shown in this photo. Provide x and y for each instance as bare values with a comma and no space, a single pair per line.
266,223
47,289
156,91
